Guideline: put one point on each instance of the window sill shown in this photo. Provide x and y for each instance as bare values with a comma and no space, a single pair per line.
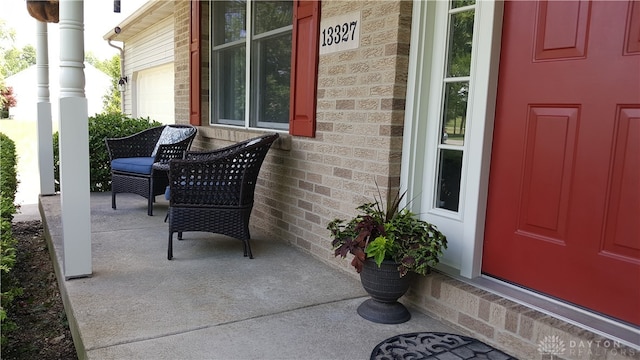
235,134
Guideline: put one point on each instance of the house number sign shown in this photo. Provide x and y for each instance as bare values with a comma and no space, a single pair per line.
340,33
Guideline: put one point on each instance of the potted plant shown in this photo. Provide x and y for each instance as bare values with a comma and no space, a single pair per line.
388,244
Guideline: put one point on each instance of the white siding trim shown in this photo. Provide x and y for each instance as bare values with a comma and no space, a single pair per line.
150,48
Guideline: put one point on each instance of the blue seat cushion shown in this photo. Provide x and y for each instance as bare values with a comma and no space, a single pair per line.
167,193
136,165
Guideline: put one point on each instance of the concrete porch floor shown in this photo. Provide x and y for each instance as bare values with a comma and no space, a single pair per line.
209,302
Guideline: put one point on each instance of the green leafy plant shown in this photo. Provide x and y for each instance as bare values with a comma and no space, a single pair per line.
101,126
391,233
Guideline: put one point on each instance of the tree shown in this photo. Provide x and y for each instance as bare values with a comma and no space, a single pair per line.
13,60
7,38
111,101
459,66
7,35
16,60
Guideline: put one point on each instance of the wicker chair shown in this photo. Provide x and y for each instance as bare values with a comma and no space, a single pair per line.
132,159
213,191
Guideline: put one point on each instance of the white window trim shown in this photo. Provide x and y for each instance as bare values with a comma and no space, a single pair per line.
250,82
421,137
247,65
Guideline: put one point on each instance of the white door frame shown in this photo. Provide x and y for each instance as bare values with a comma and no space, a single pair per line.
465,229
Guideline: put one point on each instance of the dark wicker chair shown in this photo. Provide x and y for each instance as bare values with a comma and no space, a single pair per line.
132,159
213,191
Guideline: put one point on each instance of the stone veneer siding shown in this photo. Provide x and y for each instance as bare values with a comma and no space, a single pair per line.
306,182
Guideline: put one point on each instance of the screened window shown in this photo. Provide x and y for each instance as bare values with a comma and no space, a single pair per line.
253,35
455,90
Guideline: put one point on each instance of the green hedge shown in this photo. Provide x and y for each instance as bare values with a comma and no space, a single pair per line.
101,126
8,188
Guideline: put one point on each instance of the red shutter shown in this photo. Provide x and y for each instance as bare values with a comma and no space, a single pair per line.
304,67
194,64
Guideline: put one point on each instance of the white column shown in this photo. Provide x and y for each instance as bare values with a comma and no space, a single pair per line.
74,143
45,140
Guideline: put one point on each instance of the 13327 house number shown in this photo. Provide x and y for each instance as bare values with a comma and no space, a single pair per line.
340,33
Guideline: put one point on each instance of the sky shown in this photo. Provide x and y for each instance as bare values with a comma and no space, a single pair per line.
99,18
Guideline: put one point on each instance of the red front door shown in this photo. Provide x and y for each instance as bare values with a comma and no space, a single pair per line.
563,214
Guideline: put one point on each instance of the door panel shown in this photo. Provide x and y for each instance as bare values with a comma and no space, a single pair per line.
622,228
563,215
548,160
561,30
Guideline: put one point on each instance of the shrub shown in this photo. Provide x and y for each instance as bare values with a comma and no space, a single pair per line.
101,126
8,188
8,176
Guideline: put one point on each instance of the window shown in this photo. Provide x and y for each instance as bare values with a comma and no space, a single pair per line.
253,35
453,115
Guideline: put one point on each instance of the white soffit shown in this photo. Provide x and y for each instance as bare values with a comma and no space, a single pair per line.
148,14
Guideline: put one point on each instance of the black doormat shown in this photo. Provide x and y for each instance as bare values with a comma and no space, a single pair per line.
433,345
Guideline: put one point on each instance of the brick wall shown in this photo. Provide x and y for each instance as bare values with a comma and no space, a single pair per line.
360,113
182,11
306,182
519,330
